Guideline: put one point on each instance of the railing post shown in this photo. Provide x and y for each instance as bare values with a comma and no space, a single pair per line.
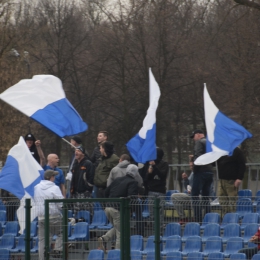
126,226
65,230
47,231
27,228
157,239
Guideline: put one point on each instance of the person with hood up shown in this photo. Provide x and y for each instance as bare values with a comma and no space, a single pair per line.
47,189
108,161
35,148
125,186
154,174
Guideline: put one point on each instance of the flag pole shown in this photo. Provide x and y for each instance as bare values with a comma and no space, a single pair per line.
69,143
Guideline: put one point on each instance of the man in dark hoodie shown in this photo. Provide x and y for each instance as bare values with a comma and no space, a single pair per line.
108,161
35,148
154,174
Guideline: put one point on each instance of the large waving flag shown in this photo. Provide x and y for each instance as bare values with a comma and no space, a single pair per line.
223,134
142,146
42,98
21,171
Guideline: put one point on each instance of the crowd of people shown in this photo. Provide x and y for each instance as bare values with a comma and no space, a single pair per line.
103,174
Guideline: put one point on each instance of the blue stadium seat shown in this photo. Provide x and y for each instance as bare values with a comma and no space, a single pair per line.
191,229
96,254
168,201
192,244
4,254
249,231
151,256
238,256
136,255
150,247
256,257
97,206
234,244
113,254
136,243
105,227
216,256
145,213
70,213
83,214
231,230
195,256
210,218
248,219
2,217
244,206
12,228
210,230
213,245
20,246
69,232
81,232
174,256
35,247
7,241
171,229
229,218
2,205
173,243
99,219
33,230
246,193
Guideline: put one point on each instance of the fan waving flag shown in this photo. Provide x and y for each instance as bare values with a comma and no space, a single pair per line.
21,171
223,134
142,146
42,98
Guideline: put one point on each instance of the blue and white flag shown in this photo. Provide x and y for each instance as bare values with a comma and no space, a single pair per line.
21,171
42,98
223,134
142,146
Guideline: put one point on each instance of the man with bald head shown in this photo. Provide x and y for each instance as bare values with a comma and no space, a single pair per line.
52,163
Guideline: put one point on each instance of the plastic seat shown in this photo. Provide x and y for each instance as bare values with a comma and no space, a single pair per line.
96,254
171,229
210,218
136,255
4,254
35,247
83,214
244,206
228,219
213,245
2,206
168,201
216,256
246,193
256,257
195,256
70,213
99,219
136,243
248,219
81,232
210,230
113,254
12,228
193,244
69,232
145,212
20,246
173,243
191,229
234,244
249,231
150,247
33,230
97,206
231,230
3,217
7,241
238,256
105,227
174,256
151,256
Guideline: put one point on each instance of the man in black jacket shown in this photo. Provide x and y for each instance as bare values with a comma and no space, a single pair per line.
82,179
121,187
203,177
231,171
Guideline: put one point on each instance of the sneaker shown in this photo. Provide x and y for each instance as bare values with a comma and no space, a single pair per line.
101,244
